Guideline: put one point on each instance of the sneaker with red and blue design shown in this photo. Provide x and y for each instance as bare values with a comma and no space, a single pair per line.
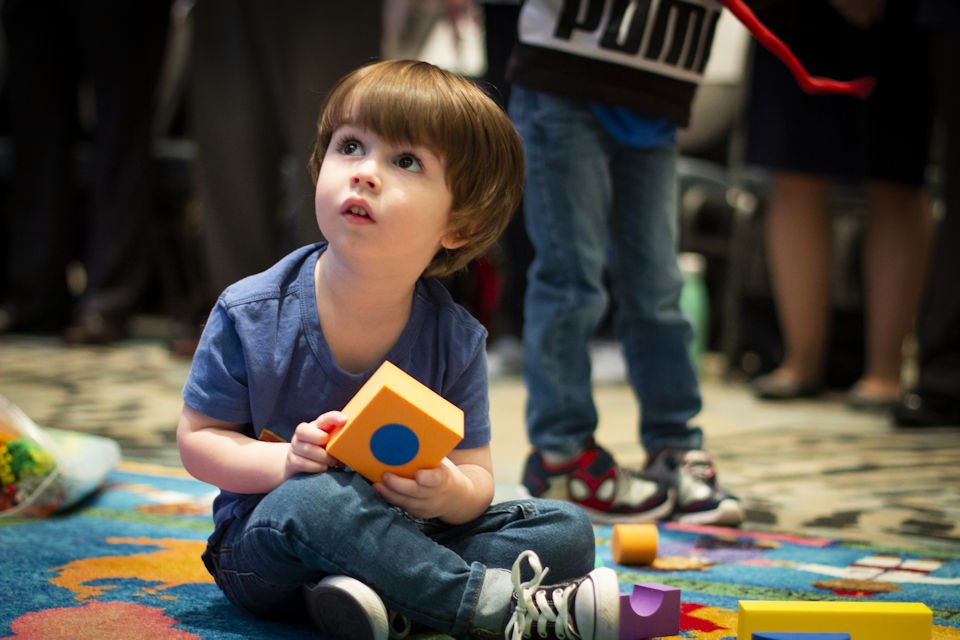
607,492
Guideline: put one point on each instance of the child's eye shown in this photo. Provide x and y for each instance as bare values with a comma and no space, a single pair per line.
350,147
410,163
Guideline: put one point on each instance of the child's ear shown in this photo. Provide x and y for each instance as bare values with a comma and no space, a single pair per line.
453,240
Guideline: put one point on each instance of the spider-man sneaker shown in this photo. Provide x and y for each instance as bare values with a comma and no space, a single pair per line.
607,492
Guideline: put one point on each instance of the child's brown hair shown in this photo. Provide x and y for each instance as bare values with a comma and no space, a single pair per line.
415,102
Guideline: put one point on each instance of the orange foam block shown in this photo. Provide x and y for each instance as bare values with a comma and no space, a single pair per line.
634,543
396,424
862,620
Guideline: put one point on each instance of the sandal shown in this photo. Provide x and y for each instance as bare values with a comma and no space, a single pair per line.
784,387
860,399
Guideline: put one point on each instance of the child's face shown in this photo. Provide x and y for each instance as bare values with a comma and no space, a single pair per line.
383,202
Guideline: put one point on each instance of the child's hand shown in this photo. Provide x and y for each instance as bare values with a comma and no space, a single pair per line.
307,453
431,493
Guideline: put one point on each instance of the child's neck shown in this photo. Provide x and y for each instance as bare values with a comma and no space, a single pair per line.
361,317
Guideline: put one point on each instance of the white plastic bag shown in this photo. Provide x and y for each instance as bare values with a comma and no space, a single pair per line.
45,470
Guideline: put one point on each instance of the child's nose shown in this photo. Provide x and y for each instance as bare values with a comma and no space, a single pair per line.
365,178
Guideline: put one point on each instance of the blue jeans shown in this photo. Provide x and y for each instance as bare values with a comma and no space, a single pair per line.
335,523
593,204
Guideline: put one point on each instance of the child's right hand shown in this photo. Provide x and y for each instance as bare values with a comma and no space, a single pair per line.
307,453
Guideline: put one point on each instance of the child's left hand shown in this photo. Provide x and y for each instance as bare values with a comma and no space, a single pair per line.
431,493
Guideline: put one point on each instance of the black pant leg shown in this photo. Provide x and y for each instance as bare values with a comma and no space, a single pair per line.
123,46
939,325
42,94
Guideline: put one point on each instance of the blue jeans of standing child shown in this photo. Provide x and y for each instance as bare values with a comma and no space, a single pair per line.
594,205
454,579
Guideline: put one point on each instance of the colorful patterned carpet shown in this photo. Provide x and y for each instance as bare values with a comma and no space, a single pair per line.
809,467
125,564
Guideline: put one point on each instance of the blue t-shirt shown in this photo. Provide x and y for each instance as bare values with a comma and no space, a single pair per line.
263,361
634,129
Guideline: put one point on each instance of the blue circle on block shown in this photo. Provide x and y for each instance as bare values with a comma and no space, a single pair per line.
394,444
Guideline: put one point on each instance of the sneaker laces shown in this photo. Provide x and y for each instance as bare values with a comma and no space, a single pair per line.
699,466
534,604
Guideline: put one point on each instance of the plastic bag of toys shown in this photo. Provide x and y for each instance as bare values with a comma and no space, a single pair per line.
45,470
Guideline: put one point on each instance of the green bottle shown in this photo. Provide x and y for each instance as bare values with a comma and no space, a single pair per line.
695,303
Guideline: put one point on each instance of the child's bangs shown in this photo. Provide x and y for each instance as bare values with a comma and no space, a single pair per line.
400,109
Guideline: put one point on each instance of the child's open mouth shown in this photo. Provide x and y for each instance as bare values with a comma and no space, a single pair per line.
356,211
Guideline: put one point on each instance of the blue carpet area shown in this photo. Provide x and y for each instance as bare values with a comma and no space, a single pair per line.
125,564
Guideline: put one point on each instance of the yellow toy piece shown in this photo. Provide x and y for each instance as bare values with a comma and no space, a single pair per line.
862,620
396,424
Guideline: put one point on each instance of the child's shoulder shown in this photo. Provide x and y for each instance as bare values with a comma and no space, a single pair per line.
274,282
436,295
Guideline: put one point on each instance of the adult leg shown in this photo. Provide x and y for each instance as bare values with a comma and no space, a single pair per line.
895,259
940,328
42,89
936,398
805,142
897,130
238,147
306,47
124,46
799,252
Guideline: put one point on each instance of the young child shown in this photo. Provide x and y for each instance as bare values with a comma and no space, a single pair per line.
417,172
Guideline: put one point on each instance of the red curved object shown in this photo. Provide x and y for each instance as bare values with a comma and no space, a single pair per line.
860,88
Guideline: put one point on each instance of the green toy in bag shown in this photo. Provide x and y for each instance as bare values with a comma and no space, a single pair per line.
46,470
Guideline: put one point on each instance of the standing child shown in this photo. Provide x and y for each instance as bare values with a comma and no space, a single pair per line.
417,172
599,89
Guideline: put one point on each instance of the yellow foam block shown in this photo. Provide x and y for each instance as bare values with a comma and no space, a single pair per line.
397,424
862,620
